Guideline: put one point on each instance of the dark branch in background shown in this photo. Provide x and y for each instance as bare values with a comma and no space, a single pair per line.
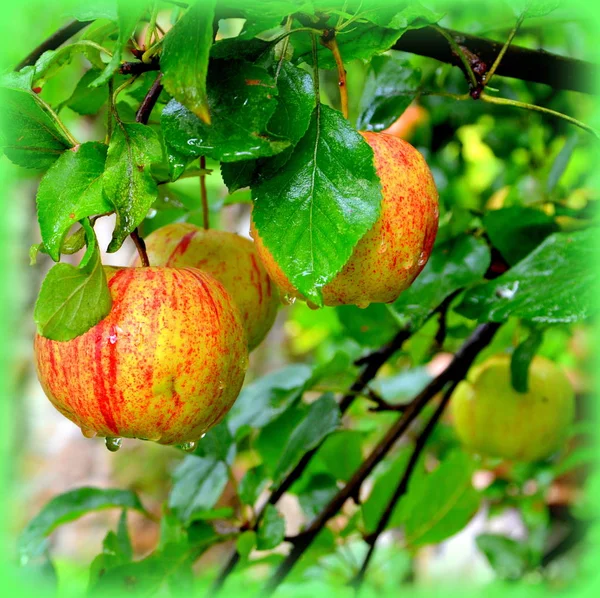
455,371
371,363
537,66
137,68
54,41
402,485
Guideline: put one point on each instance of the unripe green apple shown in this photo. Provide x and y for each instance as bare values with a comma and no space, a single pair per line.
231,259
166,364
492,418
395,250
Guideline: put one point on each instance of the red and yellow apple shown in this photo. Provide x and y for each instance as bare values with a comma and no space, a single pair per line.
395,250
492,418
166,364
231,259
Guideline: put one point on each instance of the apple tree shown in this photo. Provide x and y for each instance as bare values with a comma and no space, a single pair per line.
392,422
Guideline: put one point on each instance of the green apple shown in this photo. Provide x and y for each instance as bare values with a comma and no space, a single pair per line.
492,418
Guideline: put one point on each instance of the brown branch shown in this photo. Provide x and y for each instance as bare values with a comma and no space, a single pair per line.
137,68
148,103
57,39
329,41
537,66
402,485
455,371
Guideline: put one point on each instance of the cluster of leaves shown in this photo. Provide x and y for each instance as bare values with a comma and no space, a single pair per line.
248,103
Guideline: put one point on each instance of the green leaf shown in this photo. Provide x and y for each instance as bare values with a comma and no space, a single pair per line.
332,196
383,488
438,504
370,327
72,244
217,444
290,120
245,543
72,300
521,359
252,484
198,484
558,282
86,100
452,265
82,10
517,231
242,99
322,419
271,529
392,84
266,398
561,162
71,190
507,557
184,58
30,136
128,14
341,453
70,506
128,183
317,493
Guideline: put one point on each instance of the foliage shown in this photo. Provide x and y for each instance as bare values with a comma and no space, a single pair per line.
516,248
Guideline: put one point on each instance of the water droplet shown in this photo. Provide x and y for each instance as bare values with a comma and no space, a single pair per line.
112,339
113,444
383,246
508,291
23,560
151,213
88,432
363,304
422,259
189,446
203,435
312,305
221,385
288,299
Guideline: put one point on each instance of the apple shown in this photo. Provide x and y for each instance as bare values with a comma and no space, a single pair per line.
166,364
408,122
231,259
395,250
492,418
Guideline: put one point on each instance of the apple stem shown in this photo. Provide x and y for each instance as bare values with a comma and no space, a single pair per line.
329,41
203,193
140,245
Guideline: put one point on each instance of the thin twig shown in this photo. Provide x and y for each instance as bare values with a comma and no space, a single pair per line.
330,42
204,194
402,485
455,371
137,68
460,54
54,41
140,245
506,102
511,35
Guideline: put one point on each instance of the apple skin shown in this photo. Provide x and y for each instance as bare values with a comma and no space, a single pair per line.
231,259
395,250
491,418
166,364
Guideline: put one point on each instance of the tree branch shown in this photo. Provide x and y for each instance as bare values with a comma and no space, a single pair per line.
537,66
54,41
455,371
402,485
148,103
